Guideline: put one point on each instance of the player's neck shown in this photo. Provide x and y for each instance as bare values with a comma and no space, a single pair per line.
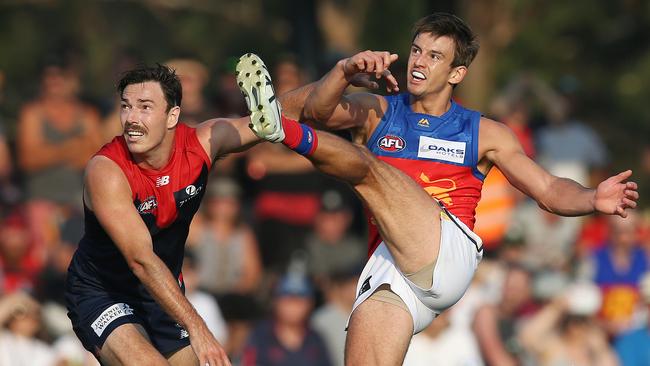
158,157
434,104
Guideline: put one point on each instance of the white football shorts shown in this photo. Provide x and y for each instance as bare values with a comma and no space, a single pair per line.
461,250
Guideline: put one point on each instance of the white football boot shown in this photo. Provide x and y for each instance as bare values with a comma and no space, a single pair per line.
255,83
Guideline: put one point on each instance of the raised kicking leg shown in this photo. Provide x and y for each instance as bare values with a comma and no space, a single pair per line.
407,217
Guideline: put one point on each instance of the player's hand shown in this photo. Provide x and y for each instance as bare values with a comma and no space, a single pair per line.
371,63
207,348
615,195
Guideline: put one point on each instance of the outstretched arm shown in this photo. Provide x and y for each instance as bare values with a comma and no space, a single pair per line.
108,195
329,106
221,136
558,195
293,102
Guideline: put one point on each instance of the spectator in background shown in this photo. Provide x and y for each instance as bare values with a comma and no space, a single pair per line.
49,289
9,194
287,75
633,347
229,99
442,344
21,324
57,134
498,197
593,235
287,339
286,203
616,269
567,146
289,189
51,279
330,320
204,303
548,238
331,247
194,77
228,260
226,251
19,262
644,183
564,332
496,325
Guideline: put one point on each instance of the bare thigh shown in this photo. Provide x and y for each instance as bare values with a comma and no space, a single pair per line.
379,334
129,344
408,218
183,357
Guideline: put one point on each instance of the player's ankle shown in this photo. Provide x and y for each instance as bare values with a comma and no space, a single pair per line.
299,137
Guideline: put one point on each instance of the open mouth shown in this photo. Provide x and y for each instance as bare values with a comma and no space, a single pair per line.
418,76
133,134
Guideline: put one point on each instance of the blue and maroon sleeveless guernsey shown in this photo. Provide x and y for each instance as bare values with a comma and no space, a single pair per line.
439,153
166,199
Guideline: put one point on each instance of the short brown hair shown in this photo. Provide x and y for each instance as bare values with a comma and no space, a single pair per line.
165,76
444,24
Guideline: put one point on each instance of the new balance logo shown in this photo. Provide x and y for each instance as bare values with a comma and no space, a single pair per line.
162,181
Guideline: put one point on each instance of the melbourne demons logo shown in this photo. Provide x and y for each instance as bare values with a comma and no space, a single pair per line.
391,143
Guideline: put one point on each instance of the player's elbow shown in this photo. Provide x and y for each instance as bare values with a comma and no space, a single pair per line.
545,205
140,262
313,114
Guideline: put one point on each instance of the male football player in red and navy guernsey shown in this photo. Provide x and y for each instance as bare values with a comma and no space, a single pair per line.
124,288
408,148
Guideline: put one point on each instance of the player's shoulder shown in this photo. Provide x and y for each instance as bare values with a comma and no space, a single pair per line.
104,171
490,128
104,166
115,149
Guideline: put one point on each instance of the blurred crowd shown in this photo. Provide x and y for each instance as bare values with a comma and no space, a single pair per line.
274,255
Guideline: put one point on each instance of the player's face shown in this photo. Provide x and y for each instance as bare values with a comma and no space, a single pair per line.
429,65
144,116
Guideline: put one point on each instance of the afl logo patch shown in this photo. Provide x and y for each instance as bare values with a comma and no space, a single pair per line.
190,190
148,205
391,143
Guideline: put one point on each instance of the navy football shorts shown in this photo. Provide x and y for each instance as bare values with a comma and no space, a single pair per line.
95,314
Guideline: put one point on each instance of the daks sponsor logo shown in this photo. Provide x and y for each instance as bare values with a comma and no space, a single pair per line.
391,143
430,148
148,205
116,311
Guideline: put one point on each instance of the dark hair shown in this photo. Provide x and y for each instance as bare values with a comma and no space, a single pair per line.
165,76
444,24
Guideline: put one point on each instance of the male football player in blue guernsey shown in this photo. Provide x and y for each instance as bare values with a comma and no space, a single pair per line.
407,148
124,289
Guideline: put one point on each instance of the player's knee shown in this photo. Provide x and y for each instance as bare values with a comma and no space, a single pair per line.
368,167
